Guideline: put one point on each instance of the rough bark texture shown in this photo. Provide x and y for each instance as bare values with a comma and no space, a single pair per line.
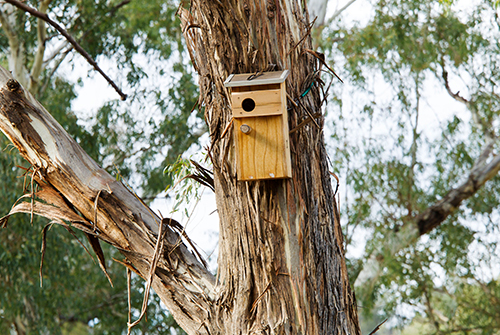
281,263
74,189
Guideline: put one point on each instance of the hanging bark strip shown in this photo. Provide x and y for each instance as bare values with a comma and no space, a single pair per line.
281,260
281,263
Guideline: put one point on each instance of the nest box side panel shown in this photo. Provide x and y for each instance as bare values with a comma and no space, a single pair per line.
262,152
286,132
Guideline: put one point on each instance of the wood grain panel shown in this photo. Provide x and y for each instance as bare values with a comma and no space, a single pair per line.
262,153
267,102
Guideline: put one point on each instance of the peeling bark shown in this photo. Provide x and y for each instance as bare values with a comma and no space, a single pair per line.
70,182
281,263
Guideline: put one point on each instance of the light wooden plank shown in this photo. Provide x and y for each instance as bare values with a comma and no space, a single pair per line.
286,132
275,77
262,153
266,103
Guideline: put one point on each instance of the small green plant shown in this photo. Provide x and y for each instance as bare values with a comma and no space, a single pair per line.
187,178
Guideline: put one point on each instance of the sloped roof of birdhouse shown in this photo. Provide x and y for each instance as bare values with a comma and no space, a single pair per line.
266,78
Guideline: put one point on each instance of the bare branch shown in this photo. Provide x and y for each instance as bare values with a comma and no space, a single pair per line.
378,327
435,215
70,39
339,11
430,218
468,103
120,5
36,70
455,95
54,69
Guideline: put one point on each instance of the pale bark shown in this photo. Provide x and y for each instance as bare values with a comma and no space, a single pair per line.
482,171
428,220
37,68
17,57
341,9
19,325
71,181
281,263
317,8
43,16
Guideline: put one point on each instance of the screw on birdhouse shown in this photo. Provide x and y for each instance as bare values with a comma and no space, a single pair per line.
245,129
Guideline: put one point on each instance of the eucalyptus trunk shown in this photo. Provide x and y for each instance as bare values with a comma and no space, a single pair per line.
281,261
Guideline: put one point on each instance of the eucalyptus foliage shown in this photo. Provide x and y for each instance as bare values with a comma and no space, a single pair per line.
419,107
135,139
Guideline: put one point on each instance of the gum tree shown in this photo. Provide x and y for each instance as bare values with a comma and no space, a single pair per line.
40,58
281,262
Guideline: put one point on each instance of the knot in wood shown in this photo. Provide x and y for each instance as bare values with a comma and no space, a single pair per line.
13,85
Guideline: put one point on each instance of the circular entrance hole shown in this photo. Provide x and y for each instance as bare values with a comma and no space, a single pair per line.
248,105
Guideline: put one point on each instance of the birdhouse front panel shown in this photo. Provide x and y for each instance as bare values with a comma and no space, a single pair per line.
261,152
260,126
256,103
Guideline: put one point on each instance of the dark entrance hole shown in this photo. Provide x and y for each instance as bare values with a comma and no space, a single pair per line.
248,105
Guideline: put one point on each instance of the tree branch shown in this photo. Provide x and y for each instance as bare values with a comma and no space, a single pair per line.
339,11
429,219
484,126
67,175
479,175
70,39
456,95
16,54
36,70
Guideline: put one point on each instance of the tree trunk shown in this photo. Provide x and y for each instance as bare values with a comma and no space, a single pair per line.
73,189
9,21
281,261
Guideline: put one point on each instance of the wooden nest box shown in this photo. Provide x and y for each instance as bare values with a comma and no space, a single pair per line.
260,125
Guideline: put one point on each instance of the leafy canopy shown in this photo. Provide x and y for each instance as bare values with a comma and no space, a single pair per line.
138,44
419,107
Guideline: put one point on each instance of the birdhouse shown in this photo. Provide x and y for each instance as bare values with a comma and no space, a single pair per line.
260,123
